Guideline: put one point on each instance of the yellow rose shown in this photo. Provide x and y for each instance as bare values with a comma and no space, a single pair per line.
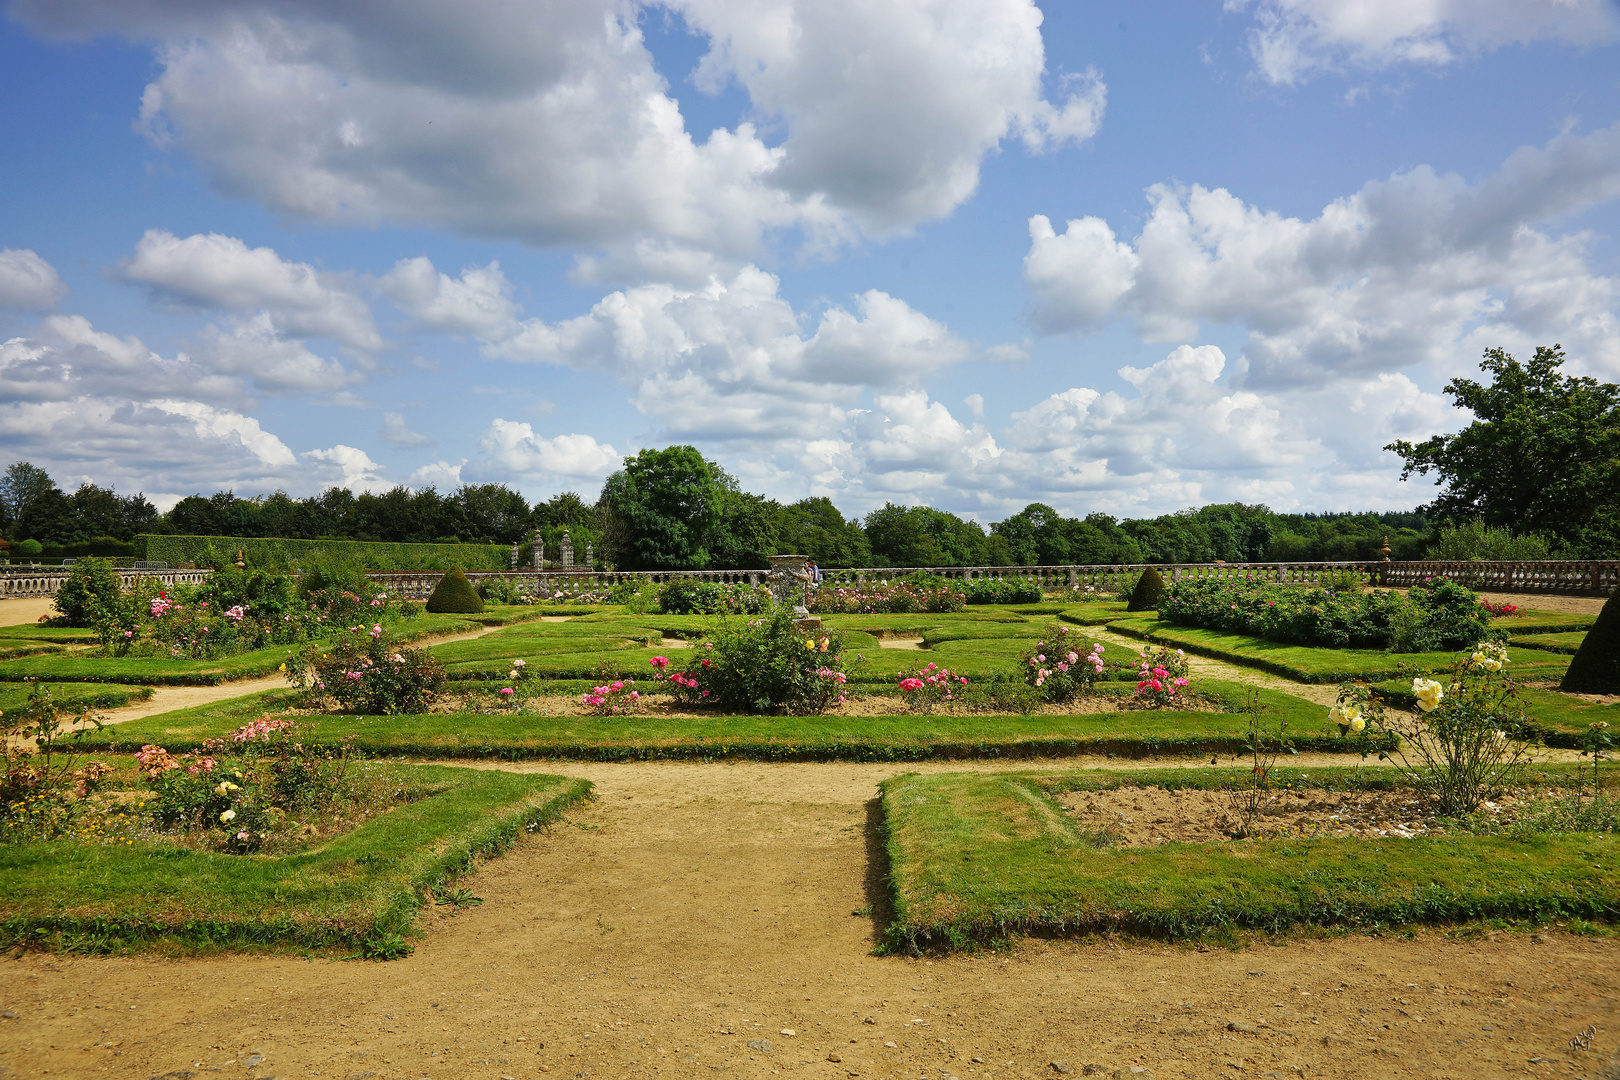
1358,725
1428,694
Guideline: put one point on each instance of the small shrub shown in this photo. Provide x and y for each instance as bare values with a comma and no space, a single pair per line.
1148,591
928,687
363,673
1465,742
1344,580
1004,591
90,582
454,595
242,788
1000,693
44,785
500,590
613,699
1161,676
899,598
30,547
1595,668
694,596
1056,667
762,665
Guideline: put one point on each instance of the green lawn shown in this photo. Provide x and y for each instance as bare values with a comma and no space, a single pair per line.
911,737
1528,621
95,897
81,666
60,635
976,857
1568,644
14,696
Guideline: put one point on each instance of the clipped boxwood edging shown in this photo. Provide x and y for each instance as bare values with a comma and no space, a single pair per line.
981,857
361,886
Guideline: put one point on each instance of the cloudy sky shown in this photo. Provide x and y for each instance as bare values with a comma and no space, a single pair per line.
968,253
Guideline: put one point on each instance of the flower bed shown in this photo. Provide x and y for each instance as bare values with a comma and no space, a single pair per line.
1436,614
899,598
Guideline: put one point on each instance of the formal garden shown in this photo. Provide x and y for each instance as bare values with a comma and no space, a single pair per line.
1456,761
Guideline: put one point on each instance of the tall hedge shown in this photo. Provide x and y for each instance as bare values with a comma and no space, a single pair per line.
455,595
282,556
1148,592
1596,666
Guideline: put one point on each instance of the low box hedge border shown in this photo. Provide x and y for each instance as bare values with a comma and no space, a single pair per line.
907,737
347,893
981,857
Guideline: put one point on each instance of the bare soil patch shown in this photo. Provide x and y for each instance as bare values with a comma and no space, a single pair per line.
859,704
696,921
1145,817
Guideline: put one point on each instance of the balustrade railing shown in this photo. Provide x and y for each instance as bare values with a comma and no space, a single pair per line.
25,581
1572,578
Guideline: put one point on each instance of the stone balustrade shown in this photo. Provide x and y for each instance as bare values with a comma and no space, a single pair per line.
1568,578
22,581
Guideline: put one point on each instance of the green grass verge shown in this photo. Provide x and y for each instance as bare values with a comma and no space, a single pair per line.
14,696
1568,644
15,649
1542,622
912,737
976,857
59,635
168,671
1317,665
367,884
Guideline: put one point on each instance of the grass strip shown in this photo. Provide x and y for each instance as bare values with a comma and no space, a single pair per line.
1308,664
1567,644
907,737
170,671
981,857
353,891
1530,621
14,696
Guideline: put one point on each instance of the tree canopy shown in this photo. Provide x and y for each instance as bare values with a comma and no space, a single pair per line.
1542,455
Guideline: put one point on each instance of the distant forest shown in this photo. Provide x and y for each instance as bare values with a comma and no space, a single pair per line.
705,524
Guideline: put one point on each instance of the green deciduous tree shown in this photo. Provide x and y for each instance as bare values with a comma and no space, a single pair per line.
661,511
1542,455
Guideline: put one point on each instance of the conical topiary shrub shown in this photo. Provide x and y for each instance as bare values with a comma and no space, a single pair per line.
455,595
1596,667
1149,589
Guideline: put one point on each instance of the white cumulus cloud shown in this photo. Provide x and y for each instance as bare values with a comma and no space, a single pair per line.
216,271
1294,39
1422,267
553,124
512,450
28,282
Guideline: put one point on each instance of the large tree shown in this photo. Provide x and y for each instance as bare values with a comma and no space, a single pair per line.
663,509
1542,455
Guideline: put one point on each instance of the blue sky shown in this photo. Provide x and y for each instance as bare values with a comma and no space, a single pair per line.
968,253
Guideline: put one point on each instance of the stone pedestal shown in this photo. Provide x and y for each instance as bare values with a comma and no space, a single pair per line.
567,551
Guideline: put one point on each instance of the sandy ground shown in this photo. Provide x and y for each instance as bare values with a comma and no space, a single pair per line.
711,920
25,609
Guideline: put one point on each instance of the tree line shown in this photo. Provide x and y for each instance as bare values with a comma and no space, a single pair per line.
674,509
1536,475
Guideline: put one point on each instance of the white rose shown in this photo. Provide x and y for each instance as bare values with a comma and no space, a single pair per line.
227,817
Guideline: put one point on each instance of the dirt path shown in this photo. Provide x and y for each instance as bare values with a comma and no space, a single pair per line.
710,920
1220,669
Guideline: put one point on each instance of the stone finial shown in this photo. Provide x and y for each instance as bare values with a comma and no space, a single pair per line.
590,555
567,550
1385,549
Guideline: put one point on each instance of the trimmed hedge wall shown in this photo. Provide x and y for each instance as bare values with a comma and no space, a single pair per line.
278,555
